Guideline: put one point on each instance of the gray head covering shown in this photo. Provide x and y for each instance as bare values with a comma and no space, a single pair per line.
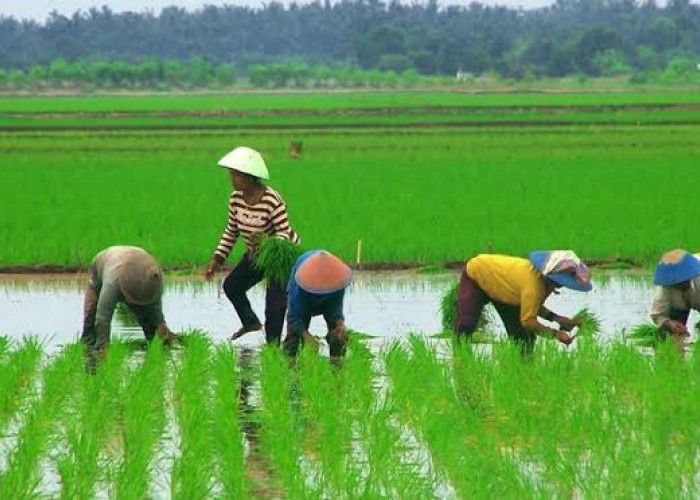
140,278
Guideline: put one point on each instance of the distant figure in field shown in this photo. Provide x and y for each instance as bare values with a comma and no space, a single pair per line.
317,287
677,277
123,274
518,288
255,210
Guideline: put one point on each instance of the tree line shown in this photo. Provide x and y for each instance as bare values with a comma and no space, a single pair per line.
357,41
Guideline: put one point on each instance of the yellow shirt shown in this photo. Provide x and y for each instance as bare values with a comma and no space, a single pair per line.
511,280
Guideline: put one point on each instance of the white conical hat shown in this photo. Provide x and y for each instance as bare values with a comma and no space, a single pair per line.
246,160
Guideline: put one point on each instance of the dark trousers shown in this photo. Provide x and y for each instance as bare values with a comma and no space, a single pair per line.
471,300
337,344
241,279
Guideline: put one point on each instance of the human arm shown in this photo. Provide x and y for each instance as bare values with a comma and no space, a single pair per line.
661,312
226,243
279,218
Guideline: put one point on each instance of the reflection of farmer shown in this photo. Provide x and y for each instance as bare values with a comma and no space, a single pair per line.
123,274
255,210
678,278
317,287
518,288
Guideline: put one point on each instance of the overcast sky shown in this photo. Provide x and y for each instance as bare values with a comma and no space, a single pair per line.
39,9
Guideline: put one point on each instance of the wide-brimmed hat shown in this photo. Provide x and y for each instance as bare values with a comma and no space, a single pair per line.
323,273
246,160
675,267
562,267
140,279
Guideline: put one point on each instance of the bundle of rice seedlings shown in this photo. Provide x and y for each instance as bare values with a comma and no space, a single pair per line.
591,323
448,310
645,335
275,258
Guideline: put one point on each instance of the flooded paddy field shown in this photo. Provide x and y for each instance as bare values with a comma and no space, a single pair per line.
383,304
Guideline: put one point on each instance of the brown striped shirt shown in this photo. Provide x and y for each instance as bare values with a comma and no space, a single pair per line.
268,216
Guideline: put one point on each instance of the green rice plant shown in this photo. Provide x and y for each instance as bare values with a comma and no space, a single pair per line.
645,335
448,311
591,323
191,474
4,347
275,258
280,425
39,432
142,423
228,438
95,403
17,374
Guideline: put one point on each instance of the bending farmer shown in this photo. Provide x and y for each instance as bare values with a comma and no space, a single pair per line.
518,289
677,277
317,287
255,210
130,275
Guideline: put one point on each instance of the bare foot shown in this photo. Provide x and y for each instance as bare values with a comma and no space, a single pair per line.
246,329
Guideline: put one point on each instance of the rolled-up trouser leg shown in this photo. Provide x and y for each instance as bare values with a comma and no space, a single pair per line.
510,315
471,300
291,341
337,343
275,308
241,279
89,335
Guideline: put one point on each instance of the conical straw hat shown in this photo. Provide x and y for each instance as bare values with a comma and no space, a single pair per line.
323,273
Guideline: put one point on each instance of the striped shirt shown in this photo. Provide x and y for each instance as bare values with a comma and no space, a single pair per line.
268,216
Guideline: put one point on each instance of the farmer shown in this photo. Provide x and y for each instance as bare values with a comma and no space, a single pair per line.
677,277
317,287
255,210
123,274
518,289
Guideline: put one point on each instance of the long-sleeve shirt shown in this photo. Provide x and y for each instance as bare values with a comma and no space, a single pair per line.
511,280
104,279
667,298
267,217
304,305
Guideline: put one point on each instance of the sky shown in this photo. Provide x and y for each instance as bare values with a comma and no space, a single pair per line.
39,9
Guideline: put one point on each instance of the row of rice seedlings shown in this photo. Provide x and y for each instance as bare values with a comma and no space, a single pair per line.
389,468
191,475
456,432
326,413
228,436
95,403
141,424
17,374
23,475
281,427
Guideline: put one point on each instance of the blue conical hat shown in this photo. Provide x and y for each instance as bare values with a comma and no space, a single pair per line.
676,267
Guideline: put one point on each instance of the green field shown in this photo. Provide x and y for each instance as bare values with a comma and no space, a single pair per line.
415,194
409,421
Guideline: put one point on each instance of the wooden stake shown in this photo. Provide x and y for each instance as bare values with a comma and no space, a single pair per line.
358,254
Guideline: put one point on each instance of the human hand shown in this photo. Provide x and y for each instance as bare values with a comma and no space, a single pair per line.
211,269
563,337
676,328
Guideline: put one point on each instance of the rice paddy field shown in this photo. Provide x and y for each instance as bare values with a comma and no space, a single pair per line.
415,177
414,419
384,179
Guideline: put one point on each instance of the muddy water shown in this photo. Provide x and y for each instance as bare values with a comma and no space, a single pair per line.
380,303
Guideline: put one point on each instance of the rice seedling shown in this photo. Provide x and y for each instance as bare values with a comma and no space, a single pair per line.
227,435
275,258
590,323
645,335
141,424
191,475
280,425
95,403
448,311
17,374
39,433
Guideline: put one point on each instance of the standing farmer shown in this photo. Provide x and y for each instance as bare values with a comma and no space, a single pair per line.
677,277
317,287
518,289
127,274
255,210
